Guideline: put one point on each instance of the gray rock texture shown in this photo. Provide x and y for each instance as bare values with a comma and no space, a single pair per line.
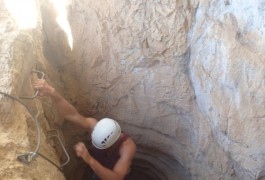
184,78
227,73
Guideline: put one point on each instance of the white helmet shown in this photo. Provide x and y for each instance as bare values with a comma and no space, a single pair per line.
105,133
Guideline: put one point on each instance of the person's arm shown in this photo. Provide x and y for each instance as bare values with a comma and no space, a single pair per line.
64,108
120,169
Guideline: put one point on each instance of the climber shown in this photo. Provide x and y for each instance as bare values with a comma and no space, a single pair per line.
113,150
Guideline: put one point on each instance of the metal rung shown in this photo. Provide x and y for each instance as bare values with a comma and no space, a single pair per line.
37,91
57,136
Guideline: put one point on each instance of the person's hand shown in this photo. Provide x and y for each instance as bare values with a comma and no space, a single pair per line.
43,87
81,150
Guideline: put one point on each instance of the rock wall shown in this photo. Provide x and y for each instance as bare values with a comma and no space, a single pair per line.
227,73
183,78
134,66
20,51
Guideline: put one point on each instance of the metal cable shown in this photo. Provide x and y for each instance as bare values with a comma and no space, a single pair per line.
32,115
38,128
37,91
44,157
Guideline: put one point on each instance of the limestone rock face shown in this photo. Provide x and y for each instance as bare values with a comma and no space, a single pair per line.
19,51
184,78
227,73
134,66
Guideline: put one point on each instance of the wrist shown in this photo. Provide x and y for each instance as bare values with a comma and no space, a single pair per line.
89,159
51,91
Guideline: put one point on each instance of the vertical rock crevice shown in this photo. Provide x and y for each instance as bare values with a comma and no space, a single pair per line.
184,79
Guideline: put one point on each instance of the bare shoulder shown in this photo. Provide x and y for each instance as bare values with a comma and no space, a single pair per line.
127,152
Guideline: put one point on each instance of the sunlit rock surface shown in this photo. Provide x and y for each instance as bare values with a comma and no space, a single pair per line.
227,73
19,52
184,78
133,65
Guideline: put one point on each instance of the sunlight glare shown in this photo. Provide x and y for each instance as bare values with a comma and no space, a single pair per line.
62,19
24,12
